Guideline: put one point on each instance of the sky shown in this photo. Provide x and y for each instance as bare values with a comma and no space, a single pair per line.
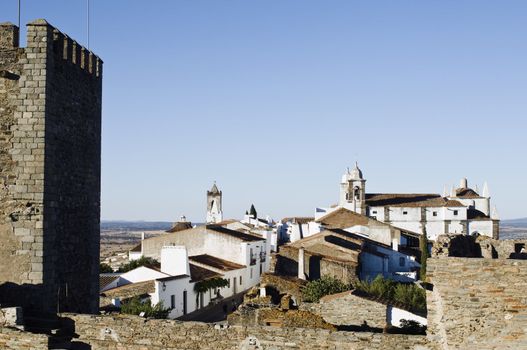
274,99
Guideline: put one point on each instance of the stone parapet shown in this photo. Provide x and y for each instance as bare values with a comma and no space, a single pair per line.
133,333
477,303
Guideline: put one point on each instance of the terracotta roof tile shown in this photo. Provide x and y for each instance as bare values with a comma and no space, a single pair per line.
214,262
131,290
106,279
180,226
237,234
466,193
298,219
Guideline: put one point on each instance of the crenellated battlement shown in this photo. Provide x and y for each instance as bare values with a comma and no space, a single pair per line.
43,37
71,51
9,36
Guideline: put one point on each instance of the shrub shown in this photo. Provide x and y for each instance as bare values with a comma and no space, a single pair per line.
412,327
105,268
327,285
134,306
143,261
409,295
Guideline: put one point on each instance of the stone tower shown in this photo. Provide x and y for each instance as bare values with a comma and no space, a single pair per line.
50,160
353,191
214,209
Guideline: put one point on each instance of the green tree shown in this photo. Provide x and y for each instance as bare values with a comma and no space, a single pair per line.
423,246
327,285
143,261
135,306
253,212
410,295
205,285
105,268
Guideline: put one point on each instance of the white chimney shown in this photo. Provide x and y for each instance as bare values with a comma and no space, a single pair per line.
463,183
142,236
301,272
453,192
174,260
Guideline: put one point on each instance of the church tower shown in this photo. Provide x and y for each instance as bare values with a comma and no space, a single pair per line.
214,209
353,191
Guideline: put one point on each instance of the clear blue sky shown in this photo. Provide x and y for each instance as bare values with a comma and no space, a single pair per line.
274,99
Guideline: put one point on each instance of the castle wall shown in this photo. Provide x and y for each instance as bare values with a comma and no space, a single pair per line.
50,109
477,303
131,333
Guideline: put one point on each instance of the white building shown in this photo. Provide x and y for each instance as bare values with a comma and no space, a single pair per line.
464,210
214,205
291,229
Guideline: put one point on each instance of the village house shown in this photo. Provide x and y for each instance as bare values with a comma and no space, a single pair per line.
347,256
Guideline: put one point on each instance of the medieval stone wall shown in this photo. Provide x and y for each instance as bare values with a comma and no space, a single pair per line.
477,303
50,138
14,339
131,333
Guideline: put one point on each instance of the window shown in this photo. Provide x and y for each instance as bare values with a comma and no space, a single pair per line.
434,213
229,283
405,213
402,261
251,273
456,212
241,280
172,301
374,212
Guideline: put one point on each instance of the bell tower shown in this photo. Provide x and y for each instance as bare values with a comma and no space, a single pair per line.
214,206
353,191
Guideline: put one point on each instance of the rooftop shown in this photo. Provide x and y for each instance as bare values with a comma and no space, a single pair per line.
214,262
407,200
180,226
236,234
131,290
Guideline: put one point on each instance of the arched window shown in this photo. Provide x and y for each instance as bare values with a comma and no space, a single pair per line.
356,193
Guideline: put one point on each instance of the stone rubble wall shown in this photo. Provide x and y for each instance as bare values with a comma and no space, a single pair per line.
452,245
346,309
134,333
14,339
477,303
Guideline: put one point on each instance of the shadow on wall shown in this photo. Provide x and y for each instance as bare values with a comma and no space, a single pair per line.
25,295
314,267
67,325
286,266
464,246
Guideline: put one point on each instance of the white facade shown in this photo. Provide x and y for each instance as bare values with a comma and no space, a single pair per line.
396,315
384,261
463,211
291,230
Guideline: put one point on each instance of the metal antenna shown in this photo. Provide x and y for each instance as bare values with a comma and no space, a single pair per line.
19,7
88,21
